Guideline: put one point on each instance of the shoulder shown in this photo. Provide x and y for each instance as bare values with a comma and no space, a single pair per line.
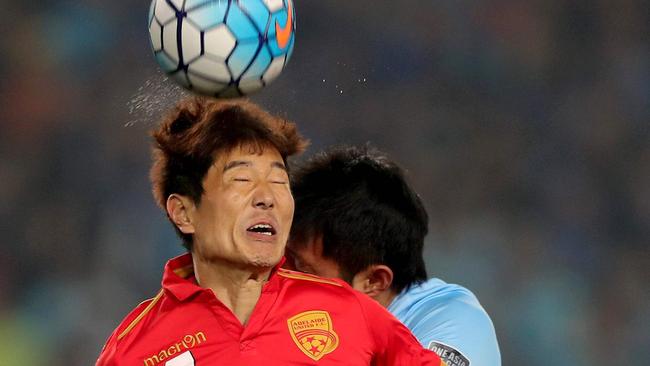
333,294
302,284
140,312
458,316
448,318
334,286
330,291
314,290
435,296
309,279
128,324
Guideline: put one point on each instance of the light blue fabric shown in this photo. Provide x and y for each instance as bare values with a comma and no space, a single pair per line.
446,317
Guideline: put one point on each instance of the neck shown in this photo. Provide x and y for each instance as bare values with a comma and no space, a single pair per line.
385,298
237,288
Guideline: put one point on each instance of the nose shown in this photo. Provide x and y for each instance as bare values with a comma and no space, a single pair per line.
263,197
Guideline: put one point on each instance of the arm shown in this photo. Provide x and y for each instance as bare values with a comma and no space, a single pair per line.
107,356
403,348
458,330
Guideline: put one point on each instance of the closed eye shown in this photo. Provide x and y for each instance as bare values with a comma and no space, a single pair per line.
242,180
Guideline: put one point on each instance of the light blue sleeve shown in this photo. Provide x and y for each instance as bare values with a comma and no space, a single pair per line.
458,329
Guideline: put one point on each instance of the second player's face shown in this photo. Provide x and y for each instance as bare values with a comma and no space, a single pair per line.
308,257
246,209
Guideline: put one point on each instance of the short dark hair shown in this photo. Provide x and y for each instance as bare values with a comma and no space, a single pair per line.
198,128
359,202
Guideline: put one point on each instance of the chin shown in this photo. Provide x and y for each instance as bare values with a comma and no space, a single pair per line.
265,262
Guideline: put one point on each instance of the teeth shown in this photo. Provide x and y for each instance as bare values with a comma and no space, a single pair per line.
261,226
265,229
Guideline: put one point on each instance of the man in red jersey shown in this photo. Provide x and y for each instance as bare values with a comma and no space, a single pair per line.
220,174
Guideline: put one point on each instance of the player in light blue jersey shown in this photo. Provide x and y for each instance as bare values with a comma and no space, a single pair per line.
356,218
449,320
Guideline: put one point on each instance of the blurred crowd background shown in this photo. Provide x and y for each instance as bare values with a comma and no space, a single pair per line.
524,126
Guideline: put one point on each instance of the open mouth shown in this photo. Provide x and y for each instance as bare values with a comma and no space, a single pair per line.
264,229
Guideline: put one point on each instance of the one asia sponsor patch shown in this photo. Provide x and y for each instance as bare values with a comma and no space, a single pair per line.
451,356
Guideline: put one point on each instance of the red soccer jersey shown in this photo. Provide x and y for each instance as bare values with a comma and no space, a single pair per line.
299,320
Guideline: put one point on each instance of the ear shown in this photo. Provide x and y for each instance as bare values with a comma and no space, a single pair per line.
179,211
374,281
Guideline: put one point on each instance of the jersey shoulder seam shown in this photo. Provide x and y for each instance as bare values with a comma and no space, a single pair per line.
152,302
306,277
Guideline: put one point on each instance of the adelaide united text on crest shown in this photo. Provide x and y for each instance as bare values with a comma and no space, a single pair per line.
313,333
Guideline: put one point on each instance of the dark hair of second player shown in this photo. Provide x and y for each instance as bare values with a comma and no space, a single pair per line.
366,212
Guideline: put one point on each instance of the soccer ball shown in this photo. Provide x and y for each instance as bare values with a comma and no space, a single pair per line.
222,48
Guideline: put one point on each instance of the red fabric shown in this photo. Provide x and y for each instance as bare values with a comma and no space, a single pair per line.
188,318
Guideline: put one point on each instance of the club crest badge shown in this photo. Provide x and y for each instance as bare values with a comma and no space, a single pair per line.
313,333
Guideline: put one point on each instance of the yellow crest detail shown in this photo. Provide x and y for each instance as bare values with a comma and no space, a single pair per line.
313,333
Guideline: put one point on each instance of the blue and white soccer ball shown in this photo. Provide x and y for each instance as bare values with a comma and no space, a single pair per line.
222,48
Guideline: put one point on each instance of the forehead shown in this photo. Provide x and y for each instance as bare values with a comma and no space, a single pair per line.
248,151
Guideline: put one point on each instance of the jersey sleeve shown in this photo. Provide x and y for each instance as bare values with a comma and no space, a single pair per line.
394,343
461,332
109,355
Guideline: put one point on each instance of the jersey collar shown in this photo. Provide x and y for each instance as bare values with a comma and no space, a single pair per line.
178,278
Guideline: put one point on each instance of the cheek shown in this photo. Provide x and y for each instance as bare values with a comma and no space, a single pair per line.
290,210
224,212
288,203
230,205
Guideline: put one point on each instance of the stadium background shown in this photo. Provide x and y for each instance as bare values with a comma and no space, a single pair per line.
523,125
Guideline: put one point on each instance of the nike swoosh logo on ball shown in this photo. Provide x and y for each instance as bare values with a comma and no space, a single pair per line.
283,34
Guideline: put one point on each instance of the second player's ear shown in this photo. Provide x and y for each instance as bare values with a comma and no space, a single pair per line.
374,280
179,210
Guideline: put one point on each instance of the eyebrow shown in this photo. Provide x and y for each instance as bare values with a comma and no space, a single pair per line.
247,163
